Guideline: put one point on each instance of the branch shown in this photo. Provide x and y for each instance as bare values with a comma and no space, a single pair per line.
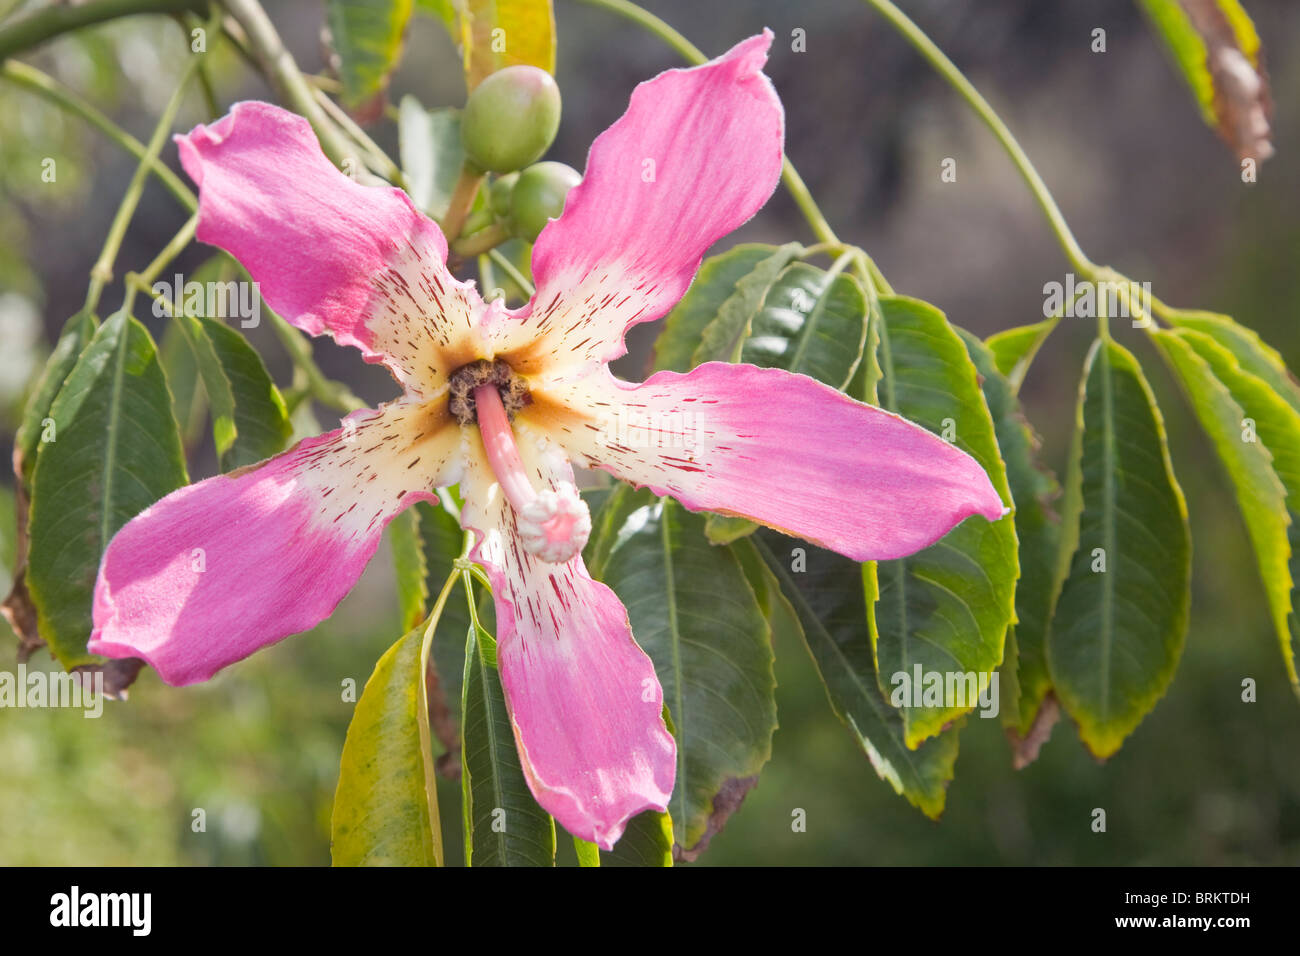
288,79
55,20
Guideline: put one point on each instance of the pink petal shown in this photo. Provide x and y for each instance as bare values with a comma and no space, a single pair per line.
583,697
783,450
357,262
625,248
220,568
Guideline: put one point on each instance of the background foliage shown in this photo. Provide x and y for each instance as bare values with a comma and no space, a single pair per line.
1205,779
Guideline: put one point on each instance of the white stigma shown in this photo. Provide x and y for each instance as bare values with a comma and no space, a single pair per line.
555,525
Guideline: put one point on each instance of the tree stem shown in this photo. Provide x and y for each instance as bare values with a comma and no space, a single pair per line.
170,251
508,267
334,394
56,19
689,52
476,243
102,272
288,79
461,201
948,70
380,161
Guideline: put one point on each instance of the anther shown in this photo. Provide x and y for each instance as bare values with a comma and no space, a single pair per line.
467,378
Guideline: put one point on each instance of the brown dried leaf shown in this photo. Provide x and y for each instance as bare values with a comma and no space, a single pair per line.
728,800
118,675
443,723
1242,104
1024,750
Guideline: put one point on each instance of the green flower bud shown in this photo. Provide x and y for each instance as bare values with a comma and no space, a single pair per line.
499,197
538,196
510,119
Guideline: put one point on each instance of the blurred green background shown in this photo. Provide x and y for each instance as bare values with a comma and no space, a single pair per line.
1206,779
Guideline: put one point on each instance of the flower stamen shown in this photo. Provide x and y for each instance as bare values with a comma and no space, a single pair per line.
511,387
553,524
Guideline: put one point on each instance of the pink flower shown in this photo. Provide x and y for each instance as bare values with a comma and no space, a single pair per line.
502,402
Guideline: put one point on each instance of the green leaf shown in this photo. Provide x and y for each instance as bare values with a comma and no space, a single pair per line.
1214,45
441,542
647,841
216,386
189,401
776,607
261,421
386,804
722,338
250,422
1009,694
946,608
498,33
409,567
1117,634
1038,537
751,304
77,332
713,286
1014,349
830,596
444,10
588,853
810,322
431,153
367,36
865,386
1253,353
695,614
1257,437
724,529
117,450
504,826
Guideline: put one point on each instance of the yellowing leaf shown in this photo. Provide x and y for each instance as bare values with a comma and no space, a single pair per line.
386,805
1121,616
367,36
500,33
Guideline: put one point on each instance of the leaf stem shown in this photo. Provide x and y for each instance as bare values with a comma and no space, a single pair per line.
56,19
518,278
648,21
143,280
798,190
288,79
336,395
487,279
102,272
422,721
689,52
461,201
380,161
170,251
482,241
949,71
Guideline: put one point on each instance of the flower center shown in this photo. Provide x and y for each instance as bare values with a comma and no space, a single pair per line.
512,389
553,524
